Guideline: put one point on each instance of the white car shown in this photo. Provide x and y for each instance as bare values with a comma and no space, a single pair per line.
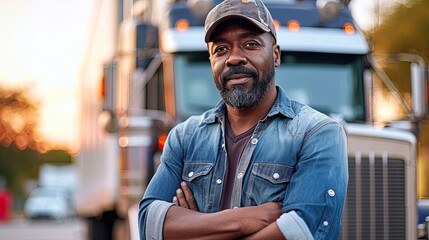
49,203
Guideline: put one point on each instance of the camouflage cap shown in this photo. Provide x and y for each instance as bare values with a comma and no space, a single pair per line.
252,10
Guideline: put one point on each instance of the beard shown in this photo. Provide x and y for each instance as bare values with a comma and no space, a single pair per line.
239,97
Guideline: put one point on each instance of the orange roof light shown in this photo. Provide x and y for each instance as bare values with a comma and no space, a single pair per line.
349,29
276,24
182,25
293,25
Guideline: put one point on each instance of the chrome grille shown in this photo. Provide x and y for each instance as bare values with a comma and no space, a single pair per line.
376,205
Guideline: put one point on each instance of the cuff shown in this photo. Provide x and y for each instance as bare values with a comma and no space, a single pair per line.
293,227
155,219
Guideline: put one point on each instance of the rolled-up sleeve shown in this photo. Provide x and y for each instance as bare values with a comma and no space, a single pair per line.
156,213
316,193
159,192
293,227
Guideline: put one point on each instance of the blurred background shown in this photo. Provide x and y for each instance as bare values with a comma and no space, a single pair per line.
51,59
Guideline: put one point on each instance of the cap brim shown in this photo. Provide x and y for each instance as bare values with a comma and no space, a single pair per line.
214,25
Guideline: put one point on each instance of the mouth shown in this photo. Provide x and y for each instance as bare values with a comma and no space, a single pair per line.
237,79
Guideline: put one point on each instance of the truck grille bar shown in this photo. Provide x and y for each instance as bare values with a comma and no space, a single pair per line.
376,198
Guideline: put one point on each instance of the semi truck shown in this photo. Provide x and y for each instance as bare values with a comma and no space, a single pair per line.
161,75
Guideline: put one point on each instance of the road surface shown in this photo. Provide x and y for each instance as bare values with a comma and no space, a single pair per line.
23,229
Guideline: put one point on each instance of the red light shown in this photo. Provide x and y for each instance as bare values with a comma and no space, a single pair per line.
161,141
182,25
349,29
293,25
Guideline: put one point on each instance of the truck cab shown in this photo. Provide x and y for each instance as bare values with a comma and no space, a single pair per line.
162,73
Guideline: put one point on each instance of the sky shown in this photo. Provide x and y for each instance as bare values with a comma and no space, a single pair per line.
42,45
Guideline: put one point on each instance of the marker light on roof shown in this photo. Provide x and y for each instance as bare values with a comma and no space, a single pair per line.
182,25
293,25
349,29
276,24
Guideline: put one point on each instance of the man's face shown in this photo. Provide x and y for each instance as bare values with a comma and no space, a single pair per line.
243,60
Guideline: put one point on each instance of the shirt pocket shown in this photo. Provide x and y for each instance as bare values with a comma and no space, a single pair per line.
197,176
267,183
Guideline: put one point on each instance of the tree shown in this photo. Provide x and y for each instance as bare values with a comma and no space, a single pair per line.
404,30
22,150
19,115
18,122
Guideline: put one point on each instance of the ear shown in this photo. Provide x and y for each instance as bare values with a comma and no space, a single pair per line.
277,55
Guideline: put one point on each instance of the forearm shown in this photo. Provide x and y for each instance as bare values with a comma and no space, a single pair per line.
271,232
182,223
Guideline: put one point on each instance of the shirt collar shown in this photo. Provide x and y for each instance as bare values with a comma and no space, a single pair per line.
282,106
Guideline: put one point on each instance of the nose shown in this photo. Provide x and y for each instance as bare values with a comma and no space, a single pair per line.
236,57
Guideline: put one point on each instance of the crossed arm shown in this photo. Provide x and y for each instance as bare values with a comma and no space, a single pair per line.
184,221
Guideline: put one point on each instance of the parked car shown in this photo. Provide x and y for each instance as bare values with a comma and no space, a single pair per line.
49,203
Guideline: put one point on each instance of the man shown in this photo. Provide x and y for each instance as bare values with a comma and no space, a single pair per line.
258,165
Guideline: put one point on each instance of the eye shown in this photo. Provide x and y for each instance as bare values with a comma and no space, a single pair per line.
251,44
220,49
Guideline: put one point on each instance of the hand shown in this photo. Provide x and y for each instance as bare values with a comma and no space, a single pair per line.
185,198
271,212
263,215
184,221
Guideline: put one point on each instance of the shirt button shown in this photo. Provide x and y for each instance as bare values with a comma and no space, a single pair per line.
254,141
331,192
190,174
223,145
276,176
240,175
219,181
325,223
235,207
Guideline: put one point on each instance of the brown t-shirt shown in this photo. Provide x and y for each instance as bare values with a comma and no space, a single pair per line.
234,147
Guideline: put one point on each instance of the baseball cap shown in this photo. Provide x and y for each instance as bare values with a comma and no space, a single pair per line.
252,10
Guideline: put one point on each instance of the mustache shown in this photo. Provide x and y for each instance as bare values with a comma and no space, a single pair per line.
238,70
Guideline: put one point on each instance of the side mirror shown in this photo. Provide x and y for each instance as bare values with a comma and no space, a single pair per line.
418,89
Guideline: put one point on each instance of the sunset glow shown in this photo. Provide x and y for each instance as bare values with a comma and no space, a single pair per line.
44,54
44,46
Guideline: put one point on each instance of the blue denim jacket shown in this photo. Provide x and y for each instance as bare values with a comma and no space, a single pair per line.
296,156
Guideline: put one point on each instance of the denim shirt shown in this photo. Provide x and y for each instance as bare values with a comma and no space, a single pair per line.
296,156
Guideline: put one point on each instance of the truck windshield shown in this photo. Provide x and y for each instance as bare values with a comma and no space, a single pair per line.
330,83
